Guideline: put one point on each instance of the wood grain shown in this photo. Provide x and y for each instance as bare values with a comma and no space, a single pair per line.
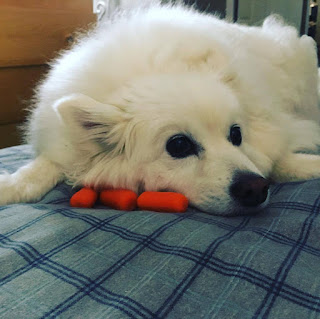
33,31
16,88
9,135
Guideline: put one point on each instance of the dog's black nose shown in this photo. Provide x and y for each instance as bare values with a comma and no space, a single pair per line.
249,189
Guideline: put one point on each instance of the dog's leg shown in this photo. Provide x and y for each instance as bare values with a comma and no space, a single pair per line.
295,167
30,182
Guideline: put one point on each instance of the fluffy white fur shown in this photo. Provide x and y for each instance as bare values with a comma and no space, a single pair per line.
107,108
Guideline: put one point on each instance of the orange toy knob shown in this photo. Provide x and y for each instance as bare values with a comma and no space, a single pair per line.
85,198
163,202
121,199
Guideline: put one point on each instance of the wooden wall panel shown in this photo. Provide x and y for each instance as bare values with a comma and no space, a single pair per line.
9,135
31,32
16,88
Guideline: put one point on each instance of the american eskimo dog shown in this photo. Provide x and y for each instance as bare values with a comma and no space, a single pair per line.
167,98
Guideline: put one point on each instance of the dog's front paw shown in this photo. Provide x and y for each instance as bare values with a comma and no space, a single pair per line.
7,191
295,167
30,182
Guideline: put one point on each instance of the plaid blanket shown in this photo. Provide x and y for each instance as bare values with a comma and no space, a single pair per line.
57,261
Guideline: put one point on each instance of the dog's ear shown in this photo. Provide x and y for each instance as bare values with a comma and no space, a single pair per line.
86,119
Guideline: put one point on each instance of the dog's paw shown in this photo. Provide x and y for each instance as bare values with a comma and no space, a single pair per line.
29,183
296,167
7,191
14,189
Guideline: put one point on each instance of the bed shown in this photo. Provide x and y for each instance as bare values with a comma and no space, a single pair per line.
57,261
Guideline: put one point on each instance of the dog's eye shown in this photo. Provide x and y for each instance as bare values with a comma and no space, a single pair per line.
235,136
180,146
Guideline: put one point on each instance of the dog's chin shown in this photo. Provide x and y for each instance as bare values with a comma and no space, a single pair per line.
234,209
251,211
246,211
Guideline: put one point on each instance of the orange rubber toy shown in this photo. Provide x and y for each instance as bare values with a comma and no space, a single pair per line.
123,199
85,198
163,202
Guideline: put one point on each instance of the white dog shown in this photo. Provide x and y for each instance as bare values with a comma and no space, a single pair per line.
166,98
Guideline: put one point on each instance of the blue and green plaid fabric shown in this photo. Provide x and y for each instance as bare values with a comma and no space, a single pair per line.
57,261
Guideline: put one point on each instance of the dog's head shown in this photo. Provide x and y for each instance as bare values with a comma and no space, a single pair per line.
185,133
